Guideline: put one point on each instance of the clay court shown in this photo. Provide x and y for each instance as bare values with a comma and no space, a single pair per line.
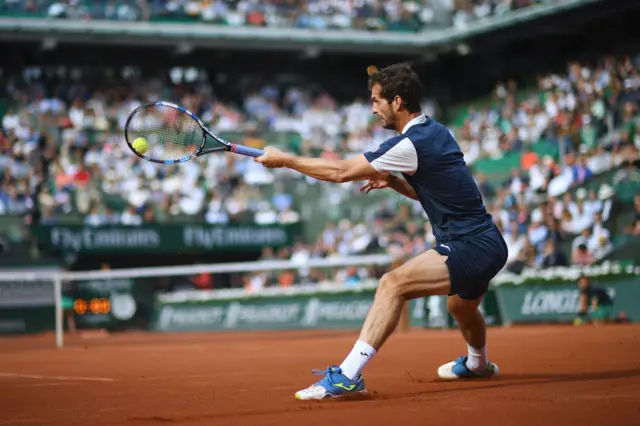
550,375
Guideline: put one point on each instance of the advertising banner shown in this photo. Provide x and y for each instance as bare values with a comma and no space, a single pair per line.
169,238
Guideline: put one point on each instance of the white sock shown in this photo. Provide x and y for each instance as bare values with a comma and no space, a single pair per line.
477,359
359,356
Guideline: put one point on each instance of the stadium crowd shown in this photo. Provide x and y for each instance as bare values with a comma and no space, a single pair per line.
61,151
373,15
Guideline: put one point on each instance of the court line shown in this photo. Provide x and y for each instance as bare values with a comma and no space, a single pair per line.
589,397
42,377
57,412
46,384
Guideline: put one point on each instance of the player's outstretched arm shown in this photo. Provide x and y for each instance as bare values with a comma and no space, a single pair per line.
356,168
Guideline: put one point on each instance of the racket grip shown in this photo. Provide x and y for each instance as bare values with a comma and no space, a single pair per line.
245,150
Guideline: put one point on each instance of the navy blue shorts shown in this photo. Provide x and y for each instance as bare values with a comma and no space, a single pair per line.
473,261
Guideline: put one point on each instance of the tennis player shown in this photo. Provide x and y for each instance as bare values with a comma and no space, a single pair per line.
470,249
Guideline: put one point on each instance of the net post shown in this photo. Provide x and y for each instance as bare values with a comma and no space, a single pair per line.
57,290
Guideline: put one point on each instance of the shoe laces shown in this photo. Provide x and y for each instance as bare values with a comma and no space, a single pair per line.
330,373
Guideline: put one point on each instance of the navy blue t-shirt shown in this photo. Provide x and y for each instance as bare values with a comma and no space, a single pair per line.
432,162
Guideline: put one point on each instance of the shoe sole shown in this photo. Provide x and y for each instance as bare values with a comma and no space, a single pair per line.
331,396
445,373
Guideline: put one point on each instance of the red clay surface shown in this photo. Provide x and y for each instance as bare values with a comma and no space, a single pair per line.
550,376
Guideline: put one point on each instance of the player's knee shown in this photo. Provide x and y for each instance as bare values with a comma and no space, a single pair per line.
459,308
389,284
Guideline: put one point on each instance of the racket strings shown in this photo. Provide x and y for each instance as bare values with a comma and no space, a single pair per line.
171,134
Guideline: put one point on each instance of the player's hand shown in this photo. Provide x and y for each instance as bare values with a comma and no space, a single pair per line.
273,158
379,182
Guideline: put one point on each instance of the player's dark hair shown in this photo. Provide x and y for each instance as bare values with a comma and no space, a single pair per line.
399,80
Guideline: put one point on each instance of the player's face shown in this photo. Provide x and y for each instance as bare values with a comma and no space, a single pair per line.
381,108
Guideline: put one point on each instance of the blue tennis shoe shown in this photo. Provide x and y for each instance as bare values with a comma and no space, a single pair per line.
458,370
334,384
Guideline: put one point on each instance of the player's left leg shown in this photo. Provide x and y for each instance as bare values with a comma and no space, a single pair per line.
473,329
473,262
425,275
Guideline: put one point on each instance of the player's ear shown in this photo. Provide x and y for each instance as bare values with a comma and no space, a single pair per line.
396,103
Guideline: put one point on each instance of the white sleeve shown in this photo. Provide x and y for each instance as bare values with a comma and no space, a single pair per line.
399,157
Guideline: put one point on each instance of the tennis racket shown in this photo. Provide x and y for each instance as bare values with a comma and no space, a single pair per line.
167,133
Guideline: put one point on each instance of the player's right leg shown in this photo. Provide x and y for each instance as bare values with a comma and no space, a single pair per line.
425,275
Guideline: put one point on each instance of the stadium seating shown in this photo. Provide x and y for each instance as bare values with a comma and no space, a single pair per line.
64,158
385,15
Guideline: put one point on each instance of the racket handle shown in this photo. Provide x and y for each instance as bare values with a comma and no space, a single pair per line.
245,150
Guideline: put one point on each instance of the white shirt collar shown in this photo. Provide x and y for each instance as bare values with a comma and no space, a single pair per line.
418,120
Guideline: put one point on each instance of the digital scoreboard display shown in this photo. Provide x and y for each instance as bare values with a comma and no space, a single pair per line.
92,306
103,303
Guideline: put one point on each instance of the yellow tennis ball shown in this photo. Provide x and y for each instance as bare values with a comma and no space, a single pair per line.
140,145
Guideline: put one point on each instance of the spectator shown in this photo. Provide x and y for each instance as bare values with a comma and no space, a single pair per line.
581,256
486,189
552,256
600,242
634,228
515,242
582,239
